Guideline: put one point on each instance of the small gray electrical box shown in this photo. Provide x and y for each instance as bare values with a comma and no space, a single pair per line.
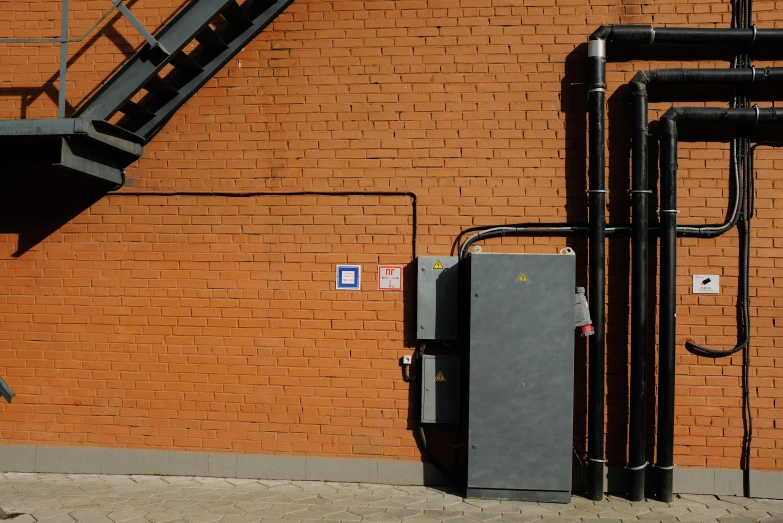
436,297
440,389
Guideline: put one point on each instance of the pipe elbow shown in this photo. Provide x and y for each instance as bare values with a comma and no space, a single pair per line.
641,78
671,115
602,33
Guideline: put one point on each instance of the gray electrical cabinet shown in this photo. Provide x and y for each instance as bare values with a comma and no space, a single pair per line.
440,389
436,297
521,375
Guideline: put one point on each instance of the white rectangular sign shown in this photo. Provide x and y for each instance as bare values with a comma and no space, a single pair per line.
390,277
706,284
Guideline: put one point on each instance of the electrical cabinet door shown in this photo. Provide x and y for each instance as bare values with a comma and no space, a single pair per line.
521,376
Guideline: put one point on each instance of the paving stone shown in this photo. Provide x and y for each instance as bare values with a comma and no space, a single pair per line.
691,517
382,517
341,516
711,512
653,516
482,517
516,518
81,515
575,512
57,498
675,511
22,518
363,511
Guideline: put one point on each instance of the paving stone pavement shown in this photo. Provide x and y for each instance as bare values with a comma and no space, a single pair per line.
58,498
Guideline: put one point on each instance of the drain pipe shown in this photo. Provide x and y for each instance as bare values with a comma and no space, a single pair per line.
596,104
639,244
639,230
668,308
667,318
638,35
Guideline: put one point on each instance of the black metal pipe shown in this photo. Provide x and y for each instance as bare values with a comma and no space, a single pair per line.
667,309
596,83
696,76
639,230
746,115
596,98
639,245
648,35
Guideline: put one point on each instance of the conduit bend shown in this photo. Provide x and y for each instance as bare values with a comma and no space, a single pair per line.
737,39
668,310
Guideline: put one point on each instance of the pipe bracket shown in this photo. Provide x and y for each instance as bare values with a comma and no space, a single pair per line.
668,211
643,191
640,467
597,90
597,460
664,467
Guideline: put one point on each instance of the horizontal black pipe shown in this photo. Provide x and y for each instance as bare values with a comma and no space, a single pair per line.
649,35
697,76
736,115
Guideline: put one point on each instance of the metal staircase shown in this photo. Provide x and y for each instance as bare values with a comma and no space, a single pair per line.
107,132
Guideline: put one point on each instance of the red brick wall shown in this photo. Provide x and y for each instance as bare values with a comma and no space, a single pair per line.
212,322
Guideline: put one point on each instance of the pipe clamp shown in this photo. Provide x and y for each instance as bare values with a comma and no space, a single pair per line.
668,211
597,460
664,467
596,48
640,467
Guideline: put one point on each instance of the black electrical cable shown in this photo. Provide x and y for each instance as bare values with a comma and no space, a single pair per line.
456,445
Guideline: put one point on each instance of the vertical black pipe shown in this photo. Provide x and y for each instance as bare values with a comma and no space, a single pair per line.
596,96
639,195
668,310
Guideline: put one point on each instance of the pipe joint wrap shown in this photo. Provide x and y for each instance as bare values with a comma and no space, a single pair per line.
596,48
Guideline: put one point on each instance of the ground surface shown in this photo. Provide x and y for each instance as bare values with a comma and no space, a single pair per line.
57,498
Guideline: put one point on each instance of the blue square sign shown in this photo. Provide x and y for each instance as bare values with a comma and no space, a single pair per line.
349,277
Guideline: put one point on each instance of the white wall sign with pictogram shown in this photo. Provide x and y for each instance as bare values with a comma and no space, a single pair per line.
706,284
390,277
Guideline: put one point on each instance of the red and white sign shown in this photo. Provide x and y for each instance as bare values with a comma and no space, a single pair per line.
390,277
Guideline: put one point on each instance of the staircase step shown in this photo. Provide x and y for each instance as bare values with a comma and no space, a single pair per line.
160,88
185,63
210,39
135,110
236,16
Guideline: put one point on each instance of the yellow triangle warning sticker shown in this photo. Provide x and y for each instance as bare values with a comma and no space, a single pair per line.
439,376
522,277
438,265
